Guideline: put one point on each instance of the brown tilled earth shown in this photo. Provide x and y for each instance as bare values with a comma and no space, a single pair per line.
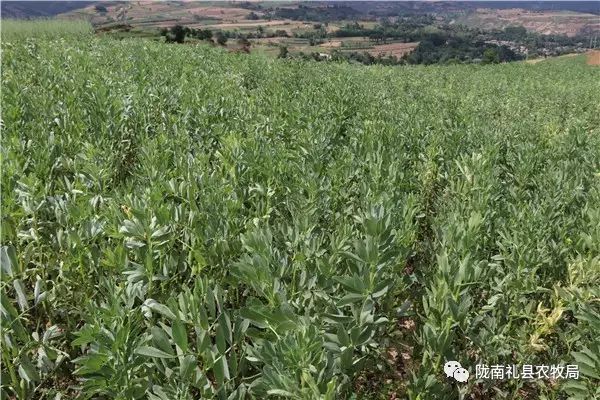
593,57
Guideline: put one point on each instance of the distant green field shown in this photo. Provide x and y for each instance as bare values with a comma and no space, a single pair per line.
182,223
47,28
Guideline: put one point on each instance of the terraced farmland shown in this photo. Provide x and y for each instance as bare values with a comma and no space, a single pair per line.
183,223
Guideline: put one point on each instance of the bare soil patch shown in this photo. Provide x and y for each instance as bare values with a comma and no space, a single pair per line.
593,57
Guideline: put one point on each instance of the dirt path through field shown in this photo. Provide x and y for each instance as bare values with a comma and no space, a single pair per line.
537,60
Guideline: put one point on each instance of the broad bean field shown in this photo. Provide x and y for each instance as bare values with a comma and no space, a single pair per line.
179,222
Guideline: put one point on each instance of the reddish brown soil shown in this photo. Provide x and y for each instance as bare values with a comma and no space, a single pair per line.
593,57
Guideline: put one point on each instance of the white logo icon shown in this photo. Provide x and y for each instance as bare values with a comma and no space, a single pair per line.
453,369
450,367
461,375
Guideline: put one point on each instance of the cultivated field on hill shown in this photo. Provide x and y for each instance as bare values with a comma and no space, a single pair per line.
146,14
303,28
546,22
183,223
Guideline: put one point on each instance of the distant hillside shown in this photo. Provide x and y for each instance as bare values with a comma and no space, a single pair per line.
592,7
547,17
33,9
389,8
37,9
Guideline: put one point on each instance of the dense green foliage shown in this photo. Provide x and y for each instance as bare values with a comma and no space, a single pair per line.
180,222
441,41
441,50
410,29
178,34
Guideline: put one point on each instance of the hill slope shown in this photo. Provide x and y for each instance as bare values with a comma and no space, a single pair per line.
36,9
541,16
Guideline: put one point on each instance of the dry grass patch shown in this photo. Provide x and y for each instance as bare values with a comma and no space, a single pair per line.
332,44
393,49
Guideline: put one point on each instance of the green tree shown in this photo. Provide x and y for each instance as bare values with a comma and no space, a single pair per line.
204,34
490,56
177,34
283,52
221,38
245,44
